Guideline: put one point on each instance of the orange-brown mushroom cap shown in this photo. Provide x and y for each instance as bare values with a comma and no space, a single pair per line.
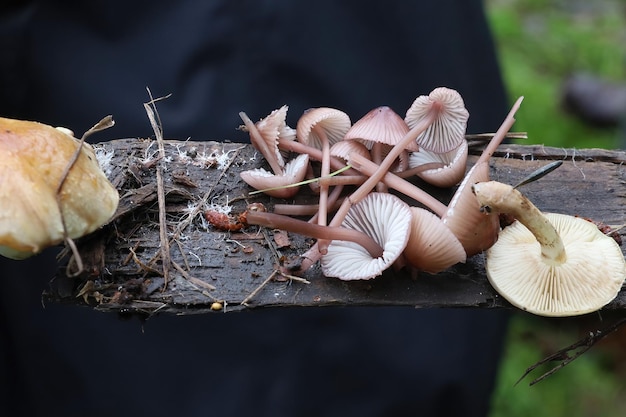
33,157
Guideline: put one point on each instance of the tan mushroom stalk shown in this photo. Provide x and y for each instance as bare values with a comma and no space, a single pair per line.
277,221
552,264
33,159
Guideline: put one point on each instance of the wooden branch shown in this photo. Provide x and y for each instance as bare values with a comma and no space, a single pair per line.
217,270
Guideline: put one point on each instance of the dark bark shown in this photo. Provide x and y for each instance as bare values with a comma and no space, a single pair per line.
123,271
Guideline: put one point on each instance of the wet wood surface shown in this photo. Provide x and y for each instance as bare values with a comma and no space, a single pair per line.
213,270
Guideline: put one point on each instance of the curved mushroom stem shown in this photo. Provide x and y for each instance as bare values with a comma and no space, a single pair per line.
383,168
276,221
501,133
257,141
368,167
314,153
377,176
322,218
503,198
333,196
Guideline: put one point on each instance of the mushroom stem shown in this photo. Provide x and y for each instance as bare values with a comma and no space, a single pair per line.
322,218
276,221
333,196
377,176
368,167
503,198
314,153
257,141
501,133
383,168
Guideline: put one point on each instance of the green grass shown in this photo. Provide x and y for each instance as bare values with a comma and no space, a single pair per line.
587,386
541,43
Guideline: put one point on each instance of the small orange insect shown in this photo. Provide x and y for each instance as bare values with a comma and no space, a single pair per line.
225,222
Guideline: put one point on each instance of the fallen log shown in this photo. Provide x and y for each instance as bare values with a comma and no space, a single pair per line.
228,269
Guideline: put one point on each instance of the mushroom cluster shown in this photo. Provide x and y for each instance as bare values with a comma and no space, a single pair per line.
378,152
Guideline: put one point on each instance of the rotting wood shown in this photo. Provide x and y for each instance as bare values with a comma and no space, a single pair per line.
122,260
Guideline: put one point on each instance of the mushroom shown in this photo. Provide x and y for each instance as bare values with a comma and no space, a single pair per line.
264,136
448,130
33,160
383,217
475,231
321,127
450,171
280,186
268,144
432,247
434,108
549,264
278,221
379,130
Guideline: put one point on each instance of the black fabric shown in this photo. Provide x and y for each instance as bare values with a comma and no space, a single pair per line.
70,63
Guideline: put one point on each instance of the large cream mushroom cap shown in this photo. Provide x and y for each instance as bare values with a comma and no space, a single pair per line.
33,157
386,219
549,264
589,279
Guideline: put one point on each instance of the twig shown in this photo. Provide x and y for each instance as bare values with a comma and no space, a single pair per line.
565,355
193,280
105,123
259,288
155,121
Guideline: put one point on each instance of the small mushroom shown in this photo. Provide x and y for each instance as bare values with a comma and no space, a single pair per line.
448,130
33,159
379,130
281,222
450,171
280,186
321,127
432,247
383,217
266,141
549,264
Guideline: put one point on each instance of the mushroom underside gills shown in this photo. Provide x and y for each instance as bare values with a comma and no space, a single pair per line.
386,219
590,278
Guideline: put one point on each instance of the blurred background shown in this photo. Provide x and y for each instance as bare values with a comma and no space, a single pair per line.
568,58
